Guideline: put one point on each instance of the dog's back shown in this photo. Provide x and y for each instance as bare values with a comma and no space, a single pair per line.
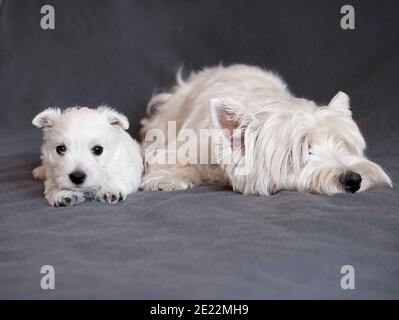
188,102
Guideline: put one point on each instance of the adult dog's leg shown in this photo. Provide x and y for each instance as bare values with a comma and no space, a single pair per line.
170,177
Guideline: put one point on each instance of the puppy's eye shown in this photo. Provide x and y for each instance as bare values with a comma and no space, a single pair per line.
60,149
97,150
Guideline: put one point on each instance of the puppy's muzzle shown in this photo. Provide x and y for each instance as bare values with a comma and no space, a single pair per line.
77,177
351,181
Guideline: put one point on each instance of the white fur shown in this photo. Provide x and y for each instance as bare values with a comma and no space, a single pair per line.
110,177
290,143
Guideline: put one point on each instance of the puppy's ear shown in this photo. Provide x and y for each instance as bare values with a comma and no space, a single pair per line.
115,118
228,114
340,103
46,118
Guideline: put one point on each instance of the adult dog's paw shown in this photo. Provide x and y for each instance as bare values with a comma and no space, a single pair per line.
110,196
65,198
162,183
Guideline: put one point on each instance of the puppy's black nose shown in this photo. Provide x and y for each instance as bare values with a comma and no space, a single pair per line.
77,177
351,181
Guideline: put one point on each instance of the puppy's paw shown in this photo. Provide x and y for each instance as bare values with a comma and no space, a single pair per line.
39,173
65,198
110,196
162,183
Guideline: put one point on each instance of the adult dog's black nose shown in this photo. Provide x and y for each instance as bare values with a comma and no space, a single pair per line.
351,181
77,177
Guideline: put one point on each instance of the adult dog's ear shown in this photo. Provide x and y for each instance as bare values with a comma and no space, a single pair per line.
231,119
229,114
45,119
340,103
114,117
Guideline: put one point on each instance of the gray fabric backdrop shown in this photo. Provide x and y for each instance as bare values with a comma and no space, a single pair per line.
207,242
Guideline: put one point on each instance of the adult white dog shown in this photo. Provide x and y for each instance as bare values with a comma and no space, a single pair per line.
87,154
284,142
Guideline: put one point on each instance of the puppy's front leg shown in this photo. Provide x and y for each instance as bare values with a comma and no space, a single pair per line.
110,193
123,180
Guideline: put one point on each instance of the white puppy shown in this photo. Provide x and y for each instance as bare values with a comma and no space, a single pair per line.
284,142
87,154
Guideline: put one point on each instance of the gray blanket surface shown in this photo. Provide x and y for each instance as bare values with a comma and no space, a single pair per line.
202,243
